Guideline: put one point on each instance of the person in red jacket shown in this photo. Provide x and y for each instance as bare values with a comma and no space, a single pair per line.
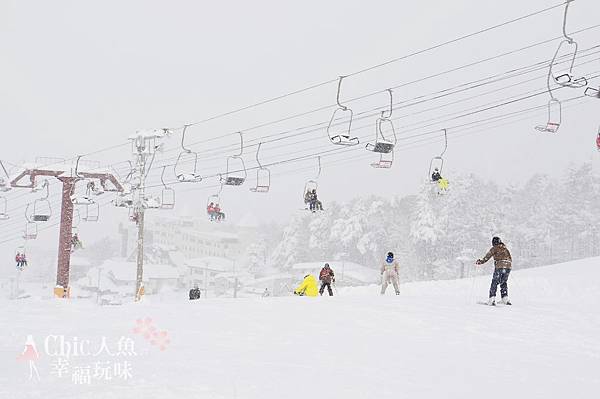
326,277
210,209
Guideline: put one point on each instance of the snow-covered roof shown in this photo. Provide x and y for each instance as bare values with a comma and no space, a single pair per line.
278,276
91,281
218,234
211,262
126,271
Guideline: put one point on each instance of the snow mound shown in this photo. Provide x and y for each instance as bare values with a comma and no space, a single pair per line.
432,341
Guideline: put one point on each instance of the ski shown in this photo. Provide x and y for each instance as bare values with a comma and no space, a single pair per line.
497,304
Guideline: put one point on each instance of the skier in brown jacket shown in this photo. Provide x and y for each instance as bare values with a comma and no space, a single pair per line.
502,267
327,277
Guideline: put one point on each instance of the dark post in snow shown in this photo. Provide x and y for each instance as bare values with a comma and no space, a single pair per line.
68,179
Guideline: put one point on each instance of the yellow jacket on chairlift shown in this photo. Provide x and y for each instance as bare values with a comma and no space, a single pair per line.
308,287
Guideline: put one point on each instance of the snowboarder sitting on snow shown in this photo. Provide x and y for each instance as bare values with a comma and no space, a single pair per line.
390,273
195,293
308,286
502,267
326,277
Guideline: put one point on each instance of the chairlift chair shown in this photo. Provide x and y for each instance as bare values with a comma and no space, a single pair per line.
152,202
312,184
239,177
3,209
341,135
263,176
42,210
122,202
167,196
92,212
383,145
82,200
385,161
592,92
190,176
95,189
31,231
567,79
4,183
554,117
437,162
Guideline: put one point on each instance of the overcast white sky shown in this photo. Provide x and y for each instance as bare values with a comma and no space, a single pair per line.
77,76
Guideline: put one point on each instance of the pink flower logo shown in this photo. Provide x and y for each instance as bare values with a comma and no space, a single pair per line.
160,339
144,327
147,329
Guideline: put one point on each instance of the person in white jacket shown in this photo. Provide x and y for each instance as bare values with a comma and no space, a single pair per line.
390,273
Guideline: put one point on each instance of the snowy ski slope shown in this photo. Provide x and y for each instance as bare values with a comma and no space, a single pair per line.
433,341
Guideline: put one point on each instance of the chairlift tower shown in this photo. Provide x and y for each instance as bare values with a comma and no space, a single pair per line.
144,146
27,179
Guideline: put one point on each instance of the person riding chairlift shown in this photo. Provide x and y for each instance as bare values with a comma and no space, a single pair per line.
218,214
210,209
21,260
76,242
307,197
436,177
315,204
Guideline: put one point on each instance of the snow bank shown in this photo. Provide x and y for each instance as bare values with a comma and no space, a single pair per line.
433,341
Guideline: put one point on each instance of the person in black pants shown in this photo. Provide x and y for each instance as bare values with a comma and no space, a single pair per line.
327,277
502,267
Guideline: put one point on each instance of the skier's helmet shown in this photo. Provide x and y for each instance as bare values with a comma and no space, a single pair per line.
327,265
496,241
390,255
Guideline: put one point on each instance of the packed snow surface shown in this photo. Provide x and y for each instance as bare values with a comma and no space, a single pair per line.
432,341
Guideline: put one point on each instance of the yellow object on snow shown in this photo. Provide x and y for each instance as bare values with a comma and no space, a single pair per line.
308,287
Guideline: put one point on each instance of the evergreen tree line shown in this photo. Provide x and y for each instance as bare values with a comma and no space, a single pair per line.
439,236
